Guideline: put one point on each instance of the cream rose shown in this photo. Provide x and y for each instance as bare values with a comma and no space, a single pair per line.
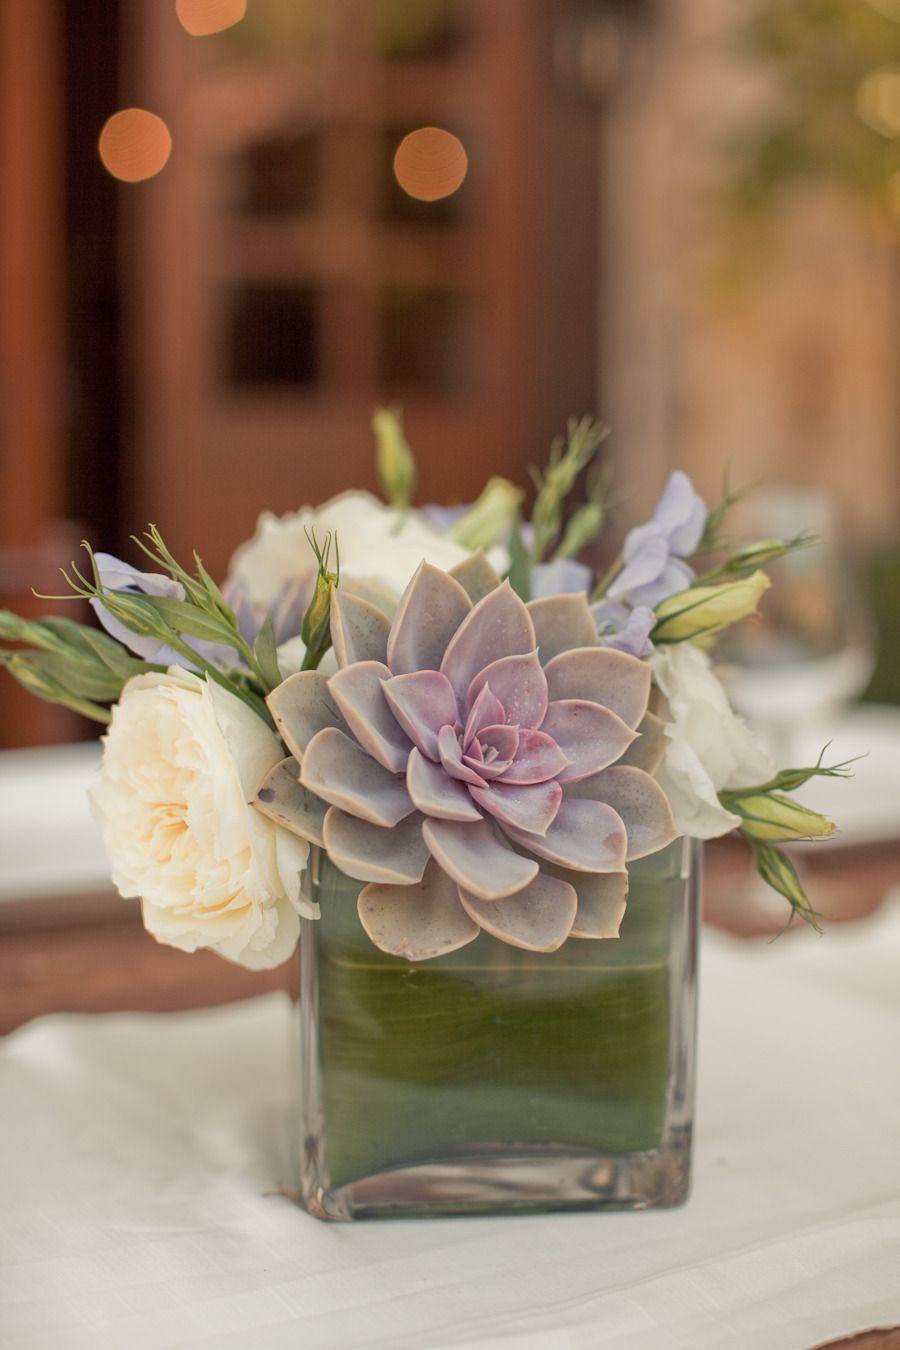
181,761
709,748
379,547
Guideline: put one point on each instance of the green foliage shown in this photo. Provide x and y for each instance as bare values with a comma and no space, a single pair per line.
567,461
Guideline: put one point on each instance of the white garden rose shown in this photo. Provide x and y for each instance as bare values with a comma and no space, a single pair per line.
181,762
709,748
379,546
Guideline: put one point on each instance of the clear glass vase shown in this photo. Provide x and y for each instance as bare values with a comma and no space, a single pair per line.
496,1080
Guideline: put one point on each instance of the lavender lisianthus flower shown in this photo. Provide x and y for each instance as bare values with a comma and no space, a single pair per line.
562,577
624,629
654,554
116,575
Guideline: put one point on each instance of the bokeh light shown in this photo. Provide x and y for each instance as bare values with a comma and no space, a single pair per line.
134,145
878,100
430,164
202,17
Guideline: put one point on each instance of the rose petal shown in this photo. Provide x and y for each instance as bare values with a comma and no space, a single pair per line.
369,853
612,679
335,768
452,759
430,611
538,918
586,840
498,626
530,807
435,793
562,622
538,758
486,711
301,707
359,631
417,922
589,736
476,576
519,683
639,802
359,694
282,798
647,751
422,703
476,859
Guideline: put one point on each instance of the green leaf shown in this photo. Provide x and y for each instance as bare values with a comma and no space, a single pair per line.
266,652
519,574
44,686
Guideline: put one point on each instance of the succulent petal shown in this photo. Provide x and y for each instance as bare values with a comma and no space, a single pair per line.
613,679
359,631
638,800
498,626
519,683
648,750
562,622
359,694
435,793
586,836
525,806
370,853
590,736
538,918
538,758
336,769
601,905
476,859
503,739
417,922
485,711
284,799
431,610
476,576
301,707
422,702
452,759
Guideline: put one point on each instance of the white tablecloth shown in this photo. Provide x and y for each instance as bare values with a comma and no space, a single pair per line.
137,1150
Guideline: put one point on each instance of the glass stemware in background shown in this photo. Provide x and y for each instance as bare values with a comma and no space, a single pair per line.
794,670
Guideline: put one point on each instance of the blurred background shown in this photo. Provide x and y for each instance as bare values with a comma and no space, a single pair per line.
230,228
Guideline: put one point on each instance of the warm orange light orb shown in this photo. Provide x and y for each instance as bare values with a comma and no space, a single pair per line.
134,144
430,164
202,17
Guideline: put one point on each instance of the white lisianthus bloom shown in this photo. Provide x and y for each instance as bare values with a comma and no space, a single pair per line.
182,760
709,748
379,547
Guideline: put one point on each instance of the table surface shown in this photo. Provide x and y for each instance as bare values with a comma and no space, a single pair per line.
143,1154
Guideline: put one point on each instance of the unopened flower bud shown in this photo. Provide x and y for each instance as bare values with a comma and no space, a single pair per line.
490,518
705,609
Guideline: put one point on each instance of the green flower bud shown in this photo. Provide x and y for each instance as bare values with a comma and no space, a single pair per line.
583,528
771,816
705,609
394,460
491,517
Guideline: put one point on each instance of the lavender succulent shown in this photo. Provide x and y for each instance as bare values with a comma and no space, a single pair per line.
474,763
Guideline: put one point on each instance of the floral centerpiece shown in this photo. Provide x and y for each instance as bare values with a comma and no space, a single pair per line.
469,773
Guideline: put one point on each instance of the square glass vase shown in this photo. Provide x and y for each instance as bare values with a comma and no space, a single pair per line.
495,1080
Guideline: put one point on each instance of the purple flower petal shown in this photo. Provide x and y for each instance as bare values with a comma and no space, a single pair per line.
538,918
562,622
116,575
359,631
612,679
422,702
638,801
624,629
358,691
431,610
336,769
538,759
417,922
435,793
476,859
498,626
283,799
646,553
676,576
452,759
519,683
531,807
562,577
301,707
586,836
682,513
486,711
369,853
591,737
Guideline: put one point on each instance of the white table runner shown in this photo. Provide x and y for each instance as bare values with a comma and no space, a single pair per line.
136,1150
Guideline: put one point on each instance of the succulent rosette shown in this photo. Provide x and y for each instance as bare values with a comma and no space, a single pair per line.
477,761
